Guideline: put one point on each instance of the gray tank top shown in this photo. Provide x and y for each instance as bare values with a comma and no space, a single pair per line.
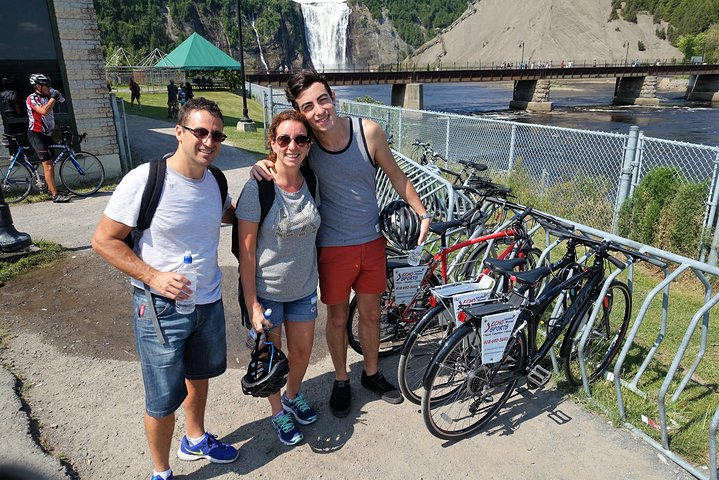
349,211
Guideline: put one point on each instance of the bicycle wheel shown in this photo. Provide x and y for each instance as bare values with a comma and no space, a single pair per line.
423,341
605,338
17,183
461,393
83,175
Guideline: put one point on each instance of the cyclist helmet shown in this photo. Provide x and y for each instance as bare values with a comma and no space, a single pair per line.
39,79
267,371
400,225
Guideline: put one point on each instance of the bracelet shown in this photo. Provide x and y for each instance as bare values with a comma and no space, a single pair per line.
426,216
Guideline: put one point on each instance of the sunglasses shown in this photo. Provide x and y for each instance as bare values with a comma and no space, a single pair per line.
301,140
202,133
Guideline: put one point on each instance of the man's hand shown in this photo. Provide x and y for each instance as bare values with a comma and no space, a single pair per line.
56,95
262,169
171,285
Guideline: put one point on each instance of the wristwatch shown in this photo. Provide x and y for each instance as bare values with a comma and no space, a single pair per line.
426,215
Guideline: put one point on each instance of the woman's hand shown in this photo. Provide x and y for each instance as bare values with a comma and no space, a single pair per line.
259,322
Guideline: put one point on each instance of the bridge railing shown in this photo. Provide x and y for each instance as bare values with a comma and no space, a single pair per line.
579,174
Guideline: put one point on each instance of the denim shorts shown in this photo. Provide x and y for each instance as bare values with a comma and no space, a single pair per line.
195,349
302,310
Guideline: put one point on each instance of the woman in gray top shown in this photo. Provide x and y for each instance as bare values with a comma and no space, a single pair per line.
278,265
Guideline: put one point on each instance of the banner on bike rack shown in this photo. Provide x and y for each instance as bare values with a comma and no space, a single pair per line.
406,283
496,331
463,300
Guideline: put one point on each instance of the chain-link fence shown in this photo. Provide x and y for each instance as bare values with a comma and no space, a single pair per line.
578,174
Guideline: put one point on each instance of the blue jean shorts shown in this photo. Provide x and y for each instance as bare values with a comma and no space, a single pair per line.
195,349
302,310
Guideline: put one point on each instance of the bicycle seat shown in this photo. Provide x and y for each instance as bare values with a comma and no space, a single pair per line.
440,228
483,309
480,167
530,277
504,266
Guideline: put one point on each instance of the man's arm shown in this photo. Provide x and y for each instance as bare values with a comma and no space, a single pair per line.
382,155
262,169
109,242
44,109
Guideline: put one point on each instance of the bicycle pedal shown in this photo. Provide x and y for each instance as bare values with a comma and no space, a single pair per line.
538,377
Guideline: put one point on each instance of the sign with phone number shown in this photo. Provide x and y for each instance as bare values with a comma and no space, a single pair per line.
406,283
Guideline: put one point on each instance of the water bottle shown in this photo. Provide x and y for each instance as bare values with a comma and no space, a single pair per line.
188,270
252,333
415,256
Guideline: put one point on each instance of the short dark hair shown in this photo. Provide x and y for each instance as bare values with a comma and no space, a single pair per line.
284,116
301,81
199,103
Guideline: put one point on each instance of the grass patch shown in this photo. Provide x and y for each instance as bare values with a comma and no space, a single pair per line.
49,253
154,105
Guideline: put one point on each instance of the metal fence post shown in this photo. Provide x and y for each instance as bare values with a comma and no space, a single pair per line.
446,143
512,141
710,218
625,176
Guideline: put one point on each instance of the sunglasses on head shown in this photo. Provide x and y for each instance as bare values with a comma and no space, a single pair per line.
202,133
284,140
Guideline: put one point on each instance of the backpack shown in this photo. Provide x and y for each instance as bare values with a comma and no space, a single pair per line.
266,190
153,190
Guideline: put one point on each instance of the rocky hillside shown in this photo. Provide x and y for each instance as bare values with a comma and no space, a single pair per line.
552,30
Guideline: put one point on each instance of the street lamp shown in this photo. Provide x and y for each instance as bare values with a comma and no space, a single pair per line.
521,62
244,124
626,55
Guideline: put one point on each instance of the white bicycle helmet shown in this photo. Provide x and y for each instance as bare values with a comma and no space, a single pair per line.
400,225
39,79
267,371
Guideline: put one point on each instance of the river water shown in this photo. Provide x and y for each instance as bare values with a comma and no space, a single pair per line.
584,105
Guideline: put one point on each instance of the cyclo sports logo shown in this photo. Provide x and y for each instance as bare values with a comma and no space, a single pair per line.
498,326
408,276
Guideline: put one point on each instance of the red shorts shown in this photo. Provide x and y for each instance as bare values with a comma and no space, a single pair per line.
360,267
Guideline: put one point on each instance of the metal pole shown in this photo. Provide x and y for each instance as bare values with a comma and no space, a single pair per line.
521,62
625,177
626,55
245,120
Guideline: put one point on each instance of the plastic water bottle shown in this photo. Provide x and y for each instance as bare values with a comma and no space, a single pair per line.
415,256
252,333
188,270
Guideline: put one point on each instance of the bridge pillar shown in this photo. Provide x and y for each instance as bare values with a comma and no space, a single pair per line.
636,91
531,95
408,95
703,88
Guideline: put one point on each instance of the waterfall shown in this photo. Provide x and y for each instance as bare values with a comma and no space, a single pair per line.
326,32
259,45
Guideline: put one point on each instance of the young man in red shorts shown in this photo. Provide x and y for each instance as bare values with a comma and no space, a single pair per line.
344,156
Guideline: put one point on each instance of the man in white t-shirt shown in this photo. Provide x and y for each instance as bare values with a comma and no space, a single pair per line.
178,352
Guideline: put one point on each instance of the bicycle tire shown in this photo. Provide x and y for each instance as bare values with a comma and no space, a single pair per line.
423,341
16,187
461,393
606,338
86,182
393,328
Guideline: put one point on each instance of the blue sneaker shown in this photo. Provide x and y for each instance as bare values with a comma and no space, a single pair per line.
298,406
157,477
286,430
209,448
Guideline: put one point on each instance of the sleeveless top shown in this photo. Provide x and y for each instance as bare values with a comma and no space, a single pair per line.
349,211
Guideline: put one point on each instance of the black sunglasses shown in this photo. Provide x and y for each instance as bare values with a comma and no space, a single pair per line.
301,140
202,133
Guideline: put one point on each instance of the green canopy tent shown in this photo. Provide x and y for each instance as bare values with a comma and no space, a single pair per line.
196,53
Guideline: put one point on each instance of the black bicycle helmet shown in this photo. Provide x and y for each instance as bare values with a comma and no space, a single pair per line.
39,79
400,225
267,371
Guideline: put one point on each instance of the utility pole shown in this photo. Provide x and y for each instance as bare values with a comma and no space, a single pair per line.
521,62
244,124
626,55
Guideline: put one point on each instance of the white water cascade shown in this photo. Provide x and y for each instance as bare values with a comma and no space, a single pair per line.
326,32
259,45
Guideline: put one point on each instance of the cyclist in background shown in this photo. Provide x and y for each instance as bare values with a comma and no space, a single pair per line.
42,123
172,92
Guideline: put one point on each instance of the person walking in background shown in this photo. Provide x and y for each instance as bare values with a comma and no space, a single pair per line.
134,93
345,155
41,126
278,265
172,92
178,352
188,91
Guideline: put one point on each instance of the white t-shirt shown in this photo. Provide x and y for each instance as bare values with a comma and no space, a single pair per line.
188,217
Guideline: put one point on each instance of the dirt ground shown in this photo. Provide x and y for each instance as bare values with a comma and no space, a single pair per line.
72,347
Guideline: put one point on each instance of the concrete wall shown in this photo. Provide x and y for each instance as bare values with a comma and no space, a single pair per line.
85,72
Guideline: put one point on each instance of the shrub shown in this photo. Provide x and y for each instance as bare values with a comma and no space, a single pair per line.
640,46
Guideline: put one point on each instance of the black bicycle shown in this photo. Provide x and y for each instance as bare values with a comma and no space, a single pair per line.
463,390
80,172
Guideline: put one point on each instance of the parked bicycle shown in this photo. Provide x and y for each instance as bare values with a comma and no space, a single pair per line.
465,386
80,172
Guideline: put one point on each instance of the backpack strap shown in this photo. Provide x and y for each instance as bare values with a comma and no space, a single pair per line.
151,194
266,190
310,179
221,182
